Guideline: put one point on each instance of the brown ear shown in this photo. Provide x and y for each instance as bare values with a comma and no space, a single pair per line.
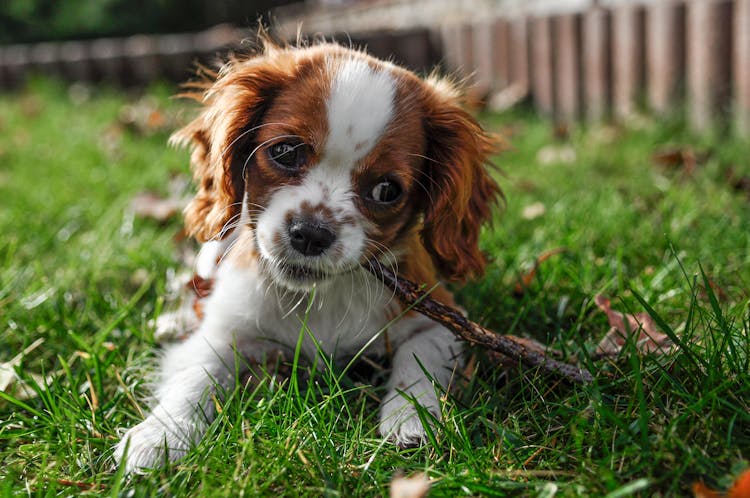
234,100
461,192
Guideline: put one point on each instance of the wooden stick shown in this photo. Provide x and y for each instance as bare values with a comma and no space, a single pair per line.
412,295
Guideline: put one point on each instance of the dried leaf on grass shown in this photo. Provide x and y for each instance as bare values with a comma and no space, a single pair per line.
740,488
740,183
717,290
684,159
151,205
145,117
700,490
626,325
524,280
416,486
11,383
162,209
561,131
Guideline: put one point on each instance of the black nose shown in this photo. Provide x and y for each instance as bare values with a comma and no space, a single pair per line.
309,237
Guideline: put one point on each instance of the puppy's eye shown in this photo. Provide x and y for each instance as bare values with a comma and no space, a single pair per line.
385,192
287,155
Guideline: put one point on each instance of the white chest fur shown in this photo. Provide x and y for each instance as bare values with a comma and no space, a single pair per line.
343,315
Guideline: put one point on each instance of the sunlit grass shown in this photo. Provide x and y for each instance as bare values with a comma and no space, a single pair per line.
79,272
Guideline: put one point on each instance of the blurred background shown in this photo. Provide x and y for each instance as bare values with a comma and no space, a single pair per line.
571,59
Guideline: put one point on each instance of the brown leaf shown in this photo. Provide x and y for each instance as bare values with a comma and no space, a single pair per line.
416,486
740,488
700,490
561,131
715,288
740,183
150,205
524,280
624,326
144,117
685,159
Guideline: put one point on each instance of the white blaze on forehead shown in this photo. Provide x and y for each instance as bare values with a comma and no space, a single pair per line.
359,108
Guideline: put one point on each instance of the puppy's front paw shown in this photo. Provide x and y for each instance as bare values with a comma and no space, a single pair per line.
154,443
399,421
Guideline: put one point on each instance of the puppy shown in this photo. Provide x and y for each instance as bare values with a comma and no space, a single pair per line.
310,161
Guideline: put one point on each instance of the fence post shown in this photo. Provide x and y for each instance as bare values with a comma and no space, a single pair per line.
141,59
76,61
567,66
501,56
449,37
466,51
45,58
108,59
627,58
708,60
596,62
542,65
741,69
16,61
665,53
518,52
483,55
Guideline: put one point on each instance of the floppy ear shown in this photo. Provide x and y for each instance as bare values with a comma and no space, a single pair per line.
234,100
461,191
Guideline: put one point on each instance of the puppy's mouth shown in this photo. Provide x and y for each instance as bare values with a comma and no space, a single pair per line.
300,277
304,274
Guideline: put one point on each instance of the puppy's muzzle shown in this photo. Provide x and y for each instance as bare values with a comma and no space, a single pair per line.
310,237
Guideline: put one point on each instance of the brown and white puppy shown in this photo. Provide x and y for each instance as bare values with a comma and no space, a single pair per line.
310,161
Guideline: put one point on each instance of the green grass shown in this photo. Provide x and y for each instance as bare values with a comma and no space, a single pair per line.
80,273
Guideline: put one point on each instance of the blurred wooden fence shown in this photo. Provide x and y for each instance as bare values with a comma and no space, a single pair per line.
133,60
612,58
596,59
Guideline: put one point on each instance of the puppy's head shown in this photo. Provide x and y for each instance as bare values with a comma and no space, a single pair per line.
331,157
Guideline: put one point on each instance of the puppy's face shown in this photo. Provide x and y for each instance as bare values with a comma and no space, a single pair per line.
332,178
333,157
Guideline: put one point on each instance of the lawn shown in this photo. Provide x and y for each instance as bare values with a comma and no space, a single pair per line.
645,213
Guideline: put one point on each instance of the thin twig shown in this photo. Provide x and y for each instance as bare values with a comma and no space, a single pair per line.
412,295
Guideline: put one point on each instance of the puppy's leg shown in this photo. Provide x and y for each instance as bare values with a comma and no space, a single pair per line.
437,350
191,372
